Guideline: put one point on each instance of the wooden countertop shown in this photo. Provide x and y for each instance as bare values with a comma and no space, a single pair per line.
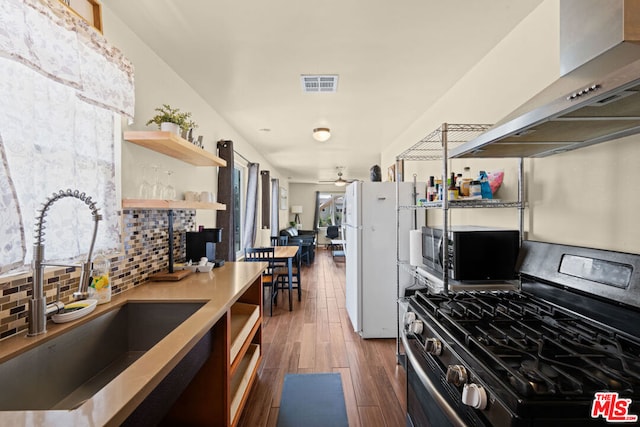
218,289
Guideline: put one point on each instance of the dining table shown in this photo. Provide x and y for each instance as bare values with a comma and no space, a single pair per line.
287,254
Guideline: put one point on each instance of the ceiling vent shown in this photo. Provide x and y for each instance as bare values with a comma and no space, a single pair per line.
319,83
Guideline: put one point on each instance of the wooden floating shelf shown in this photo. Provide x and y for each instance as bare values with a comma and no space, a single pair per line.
170,204
174,146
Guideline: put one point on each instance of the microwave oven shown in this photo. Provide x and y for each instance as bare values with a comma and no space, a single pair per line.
475,253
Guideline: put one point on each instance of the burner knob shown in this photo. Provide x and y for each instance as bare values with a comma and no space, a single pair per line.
416,327
475,396
433,346
456,375
409,317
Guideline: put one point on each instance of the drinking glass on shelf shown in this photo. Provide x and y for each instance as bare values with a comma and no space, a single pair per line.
144,191
169,190
157,190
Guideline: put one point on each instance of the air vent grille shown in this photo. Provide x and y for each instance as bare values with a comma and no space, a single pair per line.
319,83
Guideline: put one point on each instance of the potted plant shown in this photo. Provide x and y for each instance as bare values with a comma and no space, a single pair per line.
172,120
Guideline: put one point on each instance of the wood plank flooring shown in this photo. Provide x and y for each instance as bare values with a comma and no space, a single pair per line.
317,336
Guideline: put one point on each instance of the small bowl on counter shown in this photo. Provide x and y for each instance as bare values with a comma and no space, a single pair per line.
75,310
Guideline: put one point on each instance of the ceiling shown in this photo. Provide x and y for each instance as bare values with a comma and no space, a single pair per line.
245,58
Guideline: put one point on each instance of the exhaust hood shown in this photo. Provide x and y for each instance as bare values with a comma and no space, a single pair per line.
596,102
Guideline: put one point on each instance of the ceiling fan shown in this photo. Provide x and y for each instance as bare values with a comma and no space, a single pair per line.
340,181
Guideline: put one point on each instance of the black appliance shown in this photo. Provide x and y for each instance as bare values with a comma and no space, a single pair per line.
475,253
203,244
562,350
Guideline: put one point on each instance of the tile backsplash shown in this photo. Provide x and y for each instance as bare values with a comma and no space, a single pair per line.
144,252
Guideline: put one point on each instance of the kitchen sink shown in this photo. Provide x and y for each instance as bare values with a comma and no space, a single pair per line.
63,372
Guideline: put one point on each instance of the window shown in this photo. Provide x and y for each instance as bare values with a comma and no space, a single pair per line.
330,207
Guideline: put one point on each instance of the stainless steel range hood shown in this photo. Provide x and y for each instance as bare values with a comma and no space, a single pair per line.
596,102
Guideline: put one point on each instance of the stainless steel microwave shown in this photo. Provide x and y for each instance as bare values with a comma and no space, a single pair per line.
475,253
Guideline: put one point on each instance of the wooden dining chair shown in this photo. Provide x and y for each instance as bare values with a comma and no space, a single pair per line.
283,274
279,240
270,275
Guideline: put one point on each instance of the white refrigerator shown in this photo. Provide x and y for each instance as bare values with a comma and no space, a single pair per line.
370,250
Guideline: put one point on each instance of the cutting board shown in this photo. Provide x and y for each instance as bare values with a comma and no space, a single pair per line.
170,277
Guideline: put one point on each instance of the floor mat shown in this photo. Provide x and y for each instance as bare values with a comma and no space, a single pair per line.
312,400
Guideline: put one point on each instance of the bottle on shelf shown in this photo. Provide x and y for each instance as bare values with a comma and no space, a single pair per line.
465,182
485,188
431,189
452,191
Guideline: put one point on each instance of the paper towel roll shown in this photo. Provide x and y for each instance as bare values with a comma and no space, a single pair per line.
415,247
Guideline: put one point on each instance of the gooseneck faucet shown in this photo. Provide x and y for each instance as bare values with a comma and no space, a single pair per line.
39,310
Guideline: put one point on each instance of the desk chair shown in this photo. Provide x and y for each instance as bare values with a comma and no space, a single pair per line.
269,276
333,232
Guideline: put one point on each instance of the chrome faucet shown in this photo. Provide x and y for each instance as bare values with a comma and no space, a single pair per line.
39,310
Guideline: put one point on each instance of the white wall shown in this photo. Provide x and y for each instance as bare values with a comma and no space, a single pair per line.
156,84
584,197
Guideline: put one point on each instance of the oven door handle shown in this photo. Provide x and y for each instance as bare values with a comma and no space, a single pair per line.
431,388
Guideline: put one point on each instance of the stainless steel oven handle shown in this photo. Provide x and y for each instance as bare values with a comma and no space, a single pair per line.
431,389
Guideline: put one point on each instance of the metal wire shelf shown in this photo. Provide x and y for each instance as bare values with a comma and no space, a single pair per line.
430,147
465,204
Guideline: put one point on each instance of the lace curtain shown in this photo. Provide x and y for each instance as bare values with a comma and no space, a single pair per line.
64,90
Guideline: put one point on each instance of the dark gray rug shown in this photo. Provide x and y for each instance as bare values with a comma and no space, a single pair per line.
312,400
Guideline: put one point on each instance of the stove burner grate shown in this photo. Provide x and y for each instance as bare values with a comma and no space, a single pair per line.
536,347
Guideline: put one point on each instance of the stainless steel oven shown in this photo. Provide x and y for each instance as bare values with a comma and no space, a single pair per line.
562,350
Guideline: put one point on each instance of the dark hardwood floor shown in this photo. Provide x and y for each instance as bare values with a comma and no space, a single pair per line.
317,336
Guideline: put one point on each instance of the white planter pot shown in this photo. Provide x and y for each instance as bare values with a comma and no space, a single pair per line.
170,127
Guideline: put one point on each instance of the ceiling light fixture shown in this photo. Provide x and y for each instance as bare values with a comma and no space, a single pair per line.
340,182
321,134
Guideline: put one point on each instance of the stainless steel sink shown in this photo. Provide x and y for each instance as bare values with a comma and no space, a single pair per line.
63,372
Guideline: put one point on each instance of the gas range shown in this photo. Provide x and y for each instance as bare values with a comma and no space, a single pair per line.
556,352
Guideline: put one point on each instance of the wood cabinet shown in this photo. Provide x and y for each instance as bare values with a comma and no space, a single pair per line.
220,390
172,145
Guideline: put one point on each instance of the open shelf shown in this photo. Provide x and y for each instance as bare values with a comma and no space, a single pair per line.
170,204
244,319
174,146
241,381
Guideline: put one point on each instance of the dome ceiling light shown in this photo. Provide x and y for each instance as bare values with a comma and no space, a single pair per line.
321,134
